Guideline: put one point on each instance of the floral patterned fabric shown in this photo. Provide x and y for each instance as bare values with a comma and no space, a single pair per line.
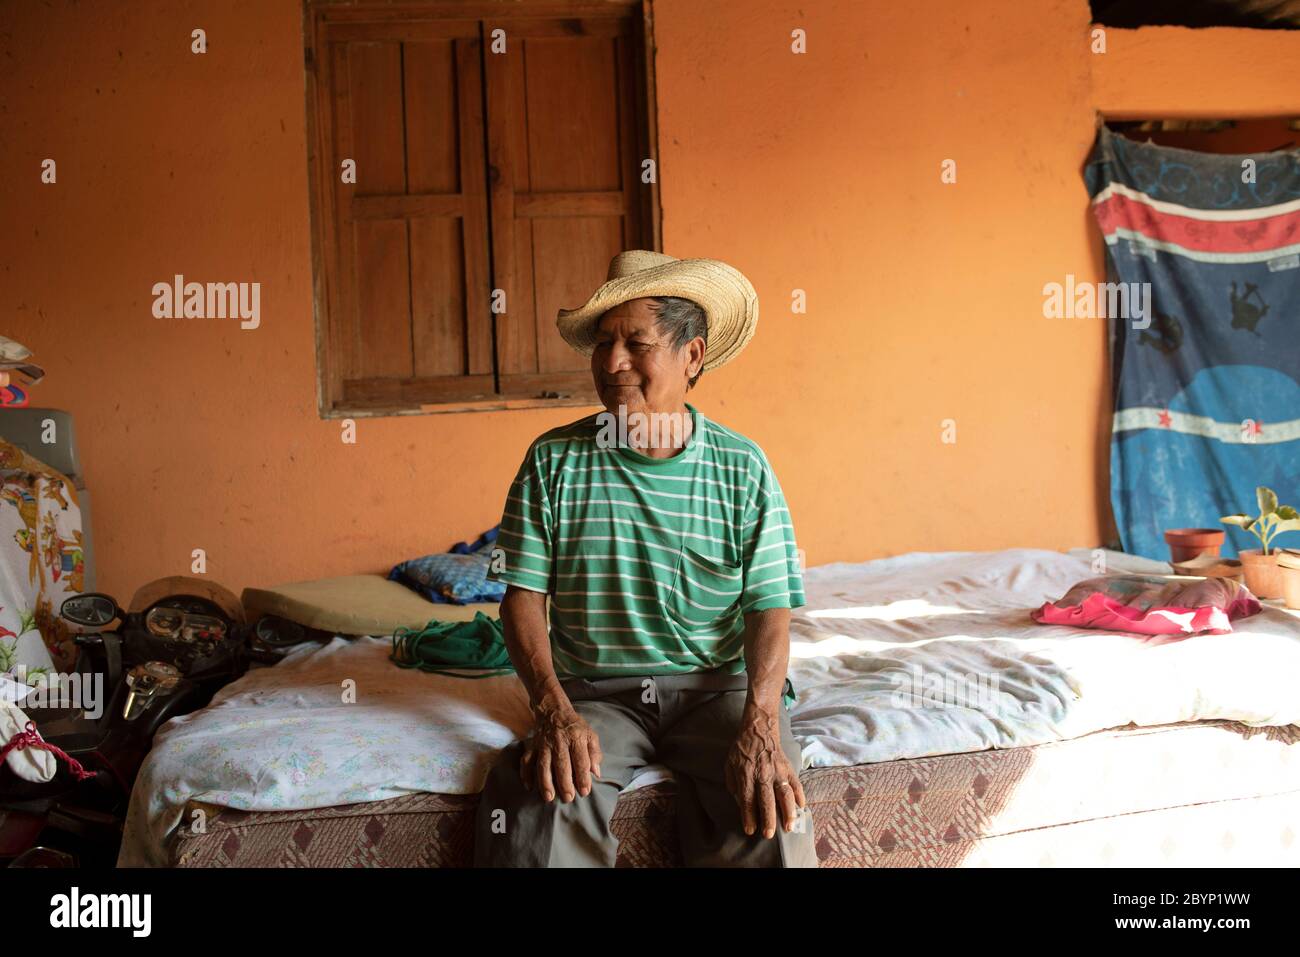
41,563
331,724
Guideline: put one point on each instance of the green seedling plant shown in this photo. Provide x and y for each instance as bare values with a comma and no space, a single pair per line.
1273,519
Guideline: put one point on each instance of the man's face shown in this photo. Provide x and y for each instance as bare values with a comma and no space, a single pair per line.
634,364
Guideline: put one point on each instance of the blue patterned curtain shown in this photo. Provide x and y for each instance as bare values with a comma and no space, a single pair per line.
1207,384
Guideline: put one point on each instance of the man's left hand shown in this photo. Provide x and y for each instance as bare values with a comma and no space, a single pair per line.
760,778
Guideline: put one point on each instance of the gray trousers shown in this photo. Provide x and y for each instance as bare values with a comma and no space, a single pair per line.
689,724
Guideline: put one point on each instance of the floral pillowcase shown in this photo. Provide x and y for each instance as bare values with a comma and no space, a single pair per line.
41,564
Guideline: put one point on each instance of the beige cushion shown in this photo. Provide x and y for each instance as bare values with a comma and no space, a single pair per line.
355,605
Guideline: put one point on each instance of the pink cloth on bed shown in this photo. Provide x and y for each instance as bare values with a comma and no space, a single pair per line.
1148,605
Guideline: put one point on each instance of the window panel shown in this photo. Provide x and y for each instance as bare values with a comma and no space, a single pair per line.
475,171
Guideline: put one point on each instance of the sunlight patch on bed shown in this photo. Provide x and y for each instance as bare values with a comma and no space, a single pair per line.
835,646
894,611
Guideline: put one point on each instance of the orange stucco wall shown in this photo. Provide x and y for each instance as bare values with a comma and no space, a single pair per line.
817,172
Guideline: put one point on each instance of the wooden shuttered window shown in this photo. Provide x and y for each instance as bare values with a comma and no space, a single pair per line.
483,181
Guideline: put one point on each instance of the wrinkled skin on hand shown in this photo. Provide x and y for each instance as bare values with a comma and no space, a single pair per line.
562,755
758,773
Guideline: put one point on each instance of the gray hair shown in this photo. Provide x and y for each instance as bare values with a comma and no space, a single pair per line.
682,320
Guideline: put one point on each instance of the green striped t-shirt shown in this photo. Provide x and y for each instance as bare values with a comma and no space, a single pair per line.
650,564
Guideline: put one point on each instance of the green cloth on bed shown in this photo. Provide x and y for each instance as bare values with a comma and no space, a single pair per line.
454,647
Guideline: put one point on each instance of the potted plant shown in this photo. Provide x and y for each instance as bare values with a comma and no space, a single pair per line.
1263,576
1288,564
1188,543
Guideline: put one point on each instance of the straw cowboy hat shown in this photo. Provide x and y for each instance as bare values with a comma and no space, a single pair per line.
728,299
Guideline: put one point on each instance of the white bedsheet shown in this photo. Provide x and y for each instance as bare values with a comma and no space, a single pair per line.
872,633
953,627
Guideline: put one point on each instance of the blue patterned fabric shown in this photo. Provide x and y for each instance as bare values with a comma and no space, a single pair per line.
458,577
1207,388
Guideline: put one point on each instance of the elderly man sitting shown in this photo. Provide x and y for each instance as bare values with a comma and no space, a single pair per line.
665,546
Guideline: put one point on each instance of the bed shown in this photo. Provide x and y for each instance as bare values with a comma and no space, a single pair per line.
1039,745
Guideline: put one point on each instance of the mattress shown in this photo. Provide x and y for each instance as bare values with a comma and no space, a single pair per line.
904,658
1209,793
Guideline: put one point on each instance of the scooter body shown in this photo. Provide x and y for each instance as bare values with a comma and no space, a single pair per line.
167,658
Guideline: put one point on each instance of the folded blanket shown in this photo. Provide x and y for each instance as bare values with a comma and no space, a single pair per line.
467,649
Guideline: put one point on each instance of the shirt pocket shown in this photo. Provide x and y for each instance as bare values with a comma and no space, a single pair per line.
704,588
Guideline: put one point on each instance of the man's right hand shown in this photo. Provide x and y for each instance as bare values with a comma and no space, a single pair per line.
562,754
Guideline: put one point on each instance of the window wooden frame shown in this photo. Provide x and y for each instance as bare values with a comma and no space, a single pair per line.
483,175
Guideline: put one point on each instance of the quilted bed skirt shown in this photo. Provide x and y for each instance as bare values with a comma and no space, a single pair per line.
1196,794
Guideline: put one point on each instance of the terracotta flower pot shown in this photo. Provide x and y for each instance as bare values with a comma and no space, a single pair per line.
1263,577
1188,543
1288,563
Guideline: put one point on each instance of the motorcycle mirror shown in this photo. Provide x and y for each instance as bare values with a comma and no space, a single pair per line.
93,609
